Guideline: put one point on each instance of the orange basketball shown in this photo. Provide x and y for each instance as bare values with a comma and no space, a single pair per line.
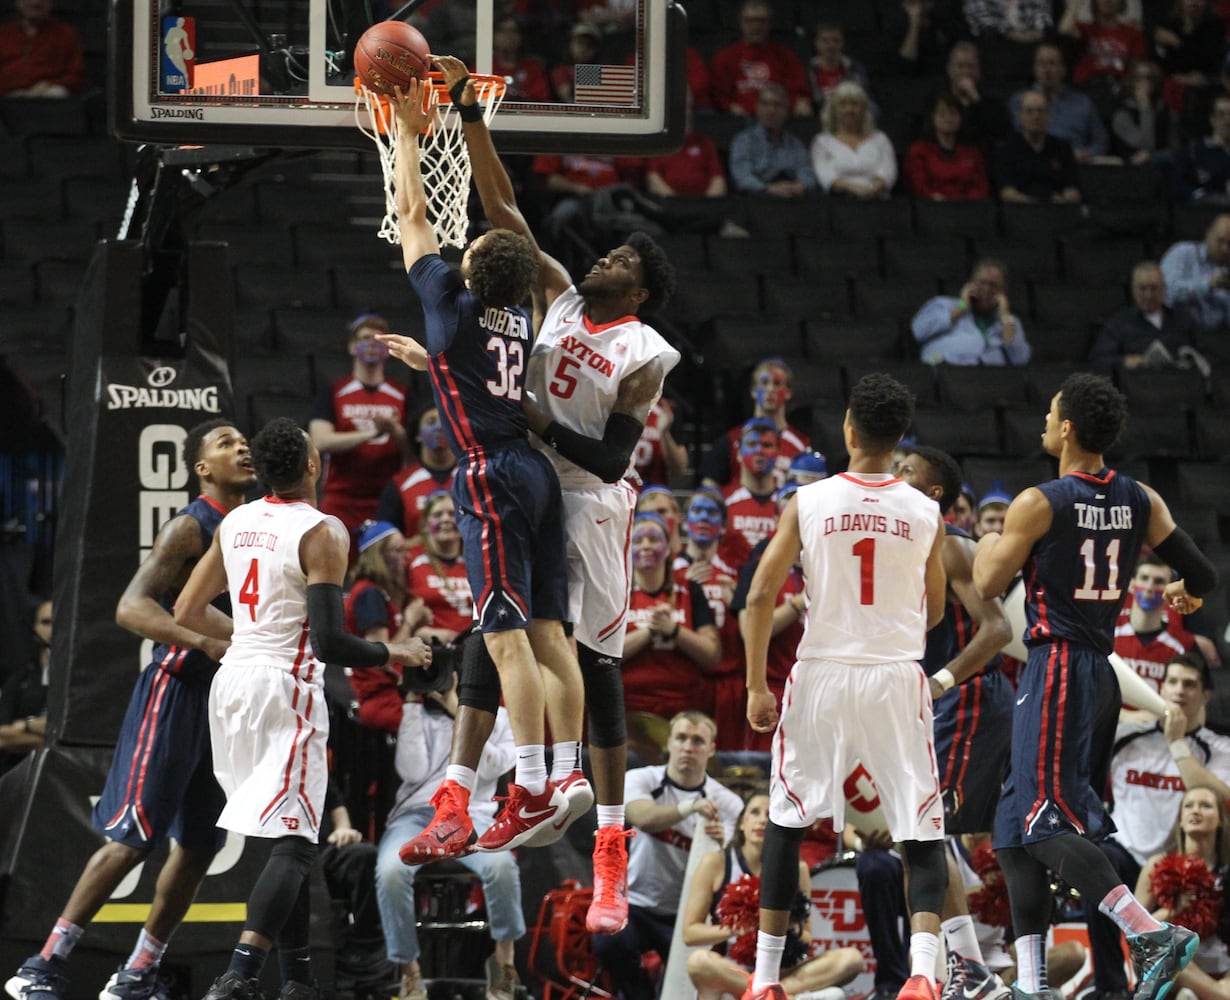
391,54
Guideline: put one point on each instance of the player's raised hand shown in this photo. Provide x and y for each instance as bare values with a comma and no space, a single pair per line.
414,107
454,71
1179,600
762,710
405,349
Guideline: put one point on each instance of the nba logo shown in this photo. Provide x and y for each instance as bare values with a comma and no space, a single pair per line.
178,52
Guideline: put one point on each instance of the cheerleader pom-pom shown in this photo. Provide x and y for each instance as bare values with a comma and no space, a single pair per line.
1186,878
739,907
990,903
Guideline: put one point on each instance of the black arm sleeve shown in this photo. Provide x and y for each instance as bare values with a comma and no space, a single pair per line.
330,641
1178,550
607,459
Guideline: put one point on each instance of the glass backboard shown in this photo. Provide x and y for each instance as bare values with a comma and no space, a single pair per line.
604,76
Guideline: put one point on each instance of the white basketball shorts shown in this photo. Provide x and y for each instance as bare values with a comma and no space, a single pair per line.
598,525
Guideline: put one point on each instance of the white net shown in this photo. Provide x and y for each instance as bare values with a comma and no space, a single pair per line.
443,158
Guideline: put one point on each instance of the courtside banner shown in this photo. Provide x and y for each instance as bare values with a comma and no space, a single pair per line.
124,478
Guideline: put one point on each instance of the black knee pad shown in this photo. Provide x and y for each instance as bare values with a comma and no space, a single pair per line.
928,874
779,866
604,697
278,890
479,684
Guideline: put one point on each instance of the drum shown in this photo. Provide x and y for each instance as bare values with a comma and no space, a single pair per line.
837,916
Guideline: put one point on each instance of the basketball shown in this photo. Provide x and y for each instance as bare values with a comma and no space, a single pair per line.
391,54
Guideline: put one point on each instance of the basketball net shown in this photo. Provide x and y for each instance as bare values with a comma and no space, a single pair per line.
443,156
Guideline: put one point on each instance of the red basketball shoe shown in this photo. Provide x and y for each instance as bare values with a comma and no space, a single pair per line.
608,913
523,815
450,833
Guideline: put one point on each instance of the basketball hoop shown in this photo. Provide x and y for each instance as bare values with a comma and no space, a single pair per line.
443,156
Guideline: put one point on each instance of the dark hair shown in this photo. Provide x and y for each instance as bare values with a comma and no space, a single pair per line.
196,438
1098,411
945,471
1193,661
943,100
657,274
503,269
280,453
1151,558
881,410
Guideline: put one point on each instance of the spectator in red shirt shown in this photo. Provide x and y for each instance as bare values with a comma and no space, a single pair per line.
40,55
671,642
528,74
584,45
1105,46
374,611
698,81
743,67
437,574
403,497
939,167
359,422
695,170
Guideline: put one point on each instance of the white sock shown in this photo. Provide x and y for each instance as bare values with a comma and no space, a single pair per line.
924,947
462,775
565,758
610,816
960,936
769,948
531,773
1031,963
148,952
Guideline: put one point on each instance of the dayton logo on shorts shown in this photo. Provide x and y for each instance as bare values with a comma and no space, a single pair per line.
290,822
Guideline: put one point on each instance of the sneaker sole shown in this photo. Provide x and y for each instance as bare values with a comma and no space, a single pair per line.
599,928
15,985
579,803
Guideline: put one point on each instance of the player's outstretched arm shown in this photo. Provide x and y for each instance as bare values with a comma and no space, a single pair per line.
993,632
757,620
406,349
495,190
1000,557
176,548
606,457
1197,574
413,110
208,580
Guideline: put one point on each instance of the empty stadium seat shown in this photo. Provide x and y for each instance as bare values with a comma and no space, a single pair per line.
251,244
836,342
976,219
1015,475
875,217
956,433
1191,221
736,342
945,258
981,388
1155,434
16,283
699,299
736,259
356,246
384,290
56,156
265,406
1041,222
1156,390
39,116
1076,307
1022,431
817,386
45,239
808,299
773,216
896,299
271,286
1205,484
59,280
1213,436
1045,380
1090,262
831,258
310,330
1132,183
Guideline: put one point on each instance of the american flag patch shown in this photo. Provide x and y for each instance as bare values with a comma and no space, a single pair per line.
605,84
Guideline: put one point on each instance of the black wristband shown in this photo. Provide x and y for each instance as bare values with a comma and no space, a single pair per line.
466,112
675,635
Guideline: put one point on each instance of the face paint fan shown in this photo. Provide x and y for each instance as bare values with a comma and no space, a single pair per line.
443,155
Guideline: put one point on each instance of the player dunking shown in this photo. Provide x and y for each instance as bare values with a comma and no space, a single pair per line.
595,372
871,547
507,498
166,724
973,715
1076,538
283,562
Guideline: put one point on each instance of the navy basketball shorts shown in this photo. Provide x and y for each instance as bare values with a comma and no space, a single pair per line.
161,783
511,521
973,736
1063,729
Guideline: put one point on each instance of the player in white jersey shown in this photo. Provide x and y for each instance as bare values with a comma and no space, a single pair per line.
283,562
857,701
595,372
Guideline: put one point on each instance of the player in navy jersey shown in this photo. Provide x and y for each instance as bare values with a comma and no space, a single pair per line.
1077,538
973,713
478,341
166,731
